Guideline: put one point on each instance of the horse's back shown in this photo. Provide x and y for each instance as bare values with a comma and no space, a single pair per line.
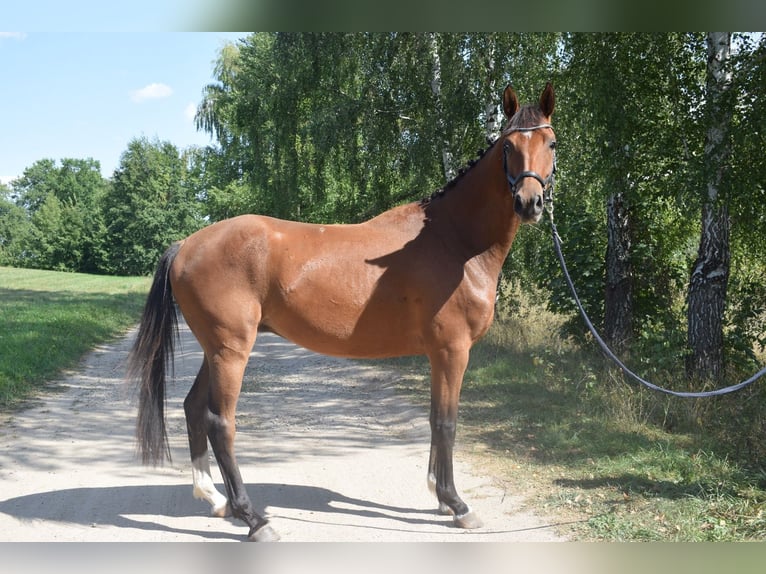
350,290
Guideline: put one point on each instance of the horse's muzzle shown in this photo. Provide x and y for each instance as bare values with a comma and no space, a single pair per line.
529,209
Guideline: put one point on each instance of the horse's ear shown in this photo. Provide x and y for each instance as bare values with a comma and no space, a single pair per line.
510,102
547,100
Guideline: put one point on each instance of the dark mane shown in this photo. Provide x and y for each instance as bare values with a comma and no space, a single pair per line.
453,182
526,116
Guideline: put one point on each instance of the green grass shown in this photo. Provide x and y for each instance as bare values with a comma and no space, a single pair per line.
48,320
603,459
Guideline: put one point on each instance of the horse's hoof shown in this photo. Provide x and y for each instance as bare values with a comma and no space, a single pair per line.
264,534
469,520
221,511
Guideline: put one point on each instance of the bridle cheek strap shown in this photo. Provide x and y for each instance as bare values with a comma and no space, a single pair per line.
513,182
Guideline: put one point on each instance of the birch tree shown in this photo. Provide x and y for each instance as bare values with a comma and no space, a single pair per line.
710,274
436,91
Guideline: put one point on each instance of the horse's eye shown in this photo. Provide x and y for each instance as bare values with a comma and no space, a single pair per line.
552,145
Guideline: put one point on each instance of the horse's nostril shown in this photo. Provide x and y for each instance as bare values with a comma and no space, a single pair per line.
538,203
518,205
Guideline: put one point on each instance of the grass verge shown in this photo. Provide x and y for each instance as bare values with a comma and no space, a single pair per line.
602,459
50,319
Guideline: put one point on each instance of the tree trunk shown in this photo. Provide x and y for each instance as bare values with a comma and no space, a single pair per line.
618,300
492,116
436,90
710,274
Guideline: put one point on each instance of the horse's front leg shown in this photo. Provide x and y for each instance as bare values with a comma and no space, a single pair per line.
447,369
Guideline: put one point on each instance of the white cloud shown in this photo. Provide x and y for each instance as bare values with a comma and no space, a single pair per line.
151,92
190,111
13,35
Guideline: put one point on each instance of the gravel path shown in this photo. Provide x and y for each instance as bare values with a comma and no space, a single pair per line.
326,447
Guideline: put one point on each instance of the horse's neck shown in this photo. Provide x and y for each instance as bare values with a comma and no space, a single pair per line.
480,209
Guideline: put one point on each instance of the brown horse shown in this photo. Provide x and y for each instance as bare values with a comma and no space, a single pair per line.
418,279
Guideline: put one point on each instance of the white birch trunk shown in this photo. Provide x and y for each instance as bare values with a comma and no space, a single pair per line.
436,90
492,115
710,275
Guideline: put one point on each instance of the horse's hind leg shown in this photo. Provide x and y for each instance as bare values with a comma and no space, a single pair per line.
197,417
447,369
226,371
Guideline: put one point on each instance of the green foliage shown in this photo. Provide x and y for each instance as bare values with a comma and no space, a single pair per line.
60,225
150,204
746,313
67,217
339,127
631,128
14,228
38,182
55,240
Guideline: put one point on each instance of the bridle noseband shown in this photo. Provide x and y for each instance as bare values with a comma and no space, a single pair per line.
514,182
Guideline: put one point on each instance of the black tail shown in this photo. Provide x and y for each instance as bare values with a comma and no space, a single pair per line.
151,355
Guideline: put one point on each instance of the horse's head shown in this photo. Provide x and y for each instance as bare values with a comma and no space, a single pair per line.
529,156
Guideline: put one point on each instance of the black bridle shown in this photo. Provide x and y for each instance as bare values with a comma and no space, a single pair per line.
514,182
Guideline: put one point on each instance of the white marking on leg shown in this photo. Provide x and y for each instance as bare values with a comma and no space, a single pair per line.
443,508
432,483
205,489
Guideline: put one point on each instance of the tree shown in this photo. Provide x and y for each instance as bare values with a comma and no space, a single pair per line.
436,90
151,203
36,183
746,292
631,127
56,239
62,204
710,274
338,127
14,228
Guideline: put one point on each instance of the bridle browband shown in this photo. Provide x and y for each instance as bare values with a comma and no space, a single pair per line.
513,182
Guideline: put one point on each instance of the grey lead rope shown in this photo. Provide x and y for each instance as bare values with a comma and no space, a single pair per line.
608,352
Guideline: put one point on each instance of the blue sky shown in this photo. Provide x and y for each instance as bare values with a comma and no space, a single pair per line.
81,95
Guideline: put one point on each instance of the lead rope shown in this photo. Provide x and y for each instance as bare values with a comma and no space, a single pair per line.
604,347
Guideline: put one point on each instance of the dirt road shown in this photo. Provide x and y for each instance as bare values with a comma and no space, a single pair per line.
329,452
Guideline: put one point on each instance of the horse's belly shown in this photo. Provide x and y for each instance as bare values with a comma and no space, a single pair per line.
342,327
355,348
